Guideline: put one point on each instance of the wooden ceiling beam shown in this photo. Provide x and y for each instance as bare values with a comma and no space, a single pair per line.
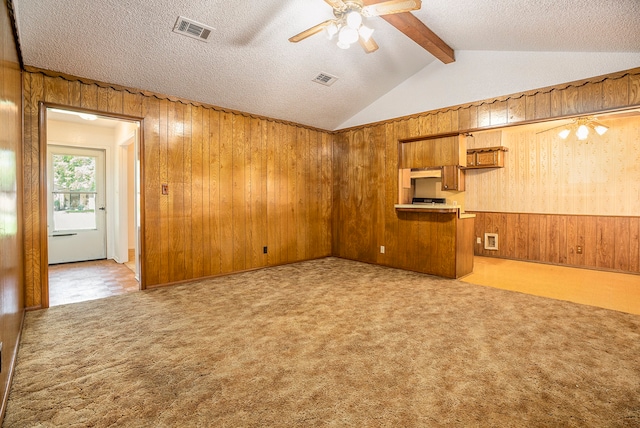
422,35
418,32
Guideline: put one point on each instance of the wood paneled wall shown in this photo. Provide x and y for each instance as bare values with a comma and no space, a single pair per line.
236,184
611,243
239,183
11,256
366,157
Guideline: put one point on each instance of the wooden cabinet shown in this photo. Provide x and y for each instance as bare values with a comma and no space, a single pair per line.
486,157
471,159
452,178
433,153
421,158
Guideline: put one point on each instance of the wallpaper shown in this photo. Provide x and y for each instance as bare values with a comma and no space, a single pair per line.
547,175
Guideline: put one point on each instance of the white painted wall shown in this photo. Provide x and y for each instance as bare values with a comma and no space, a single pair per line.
125,135
478,75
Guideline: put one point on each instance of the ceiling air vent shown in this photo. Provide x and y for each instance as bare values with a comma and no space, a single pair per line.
192,29
325,79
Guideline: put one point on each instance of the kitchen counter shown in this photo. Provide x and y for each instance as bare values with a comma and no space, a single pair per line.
439,239
440,208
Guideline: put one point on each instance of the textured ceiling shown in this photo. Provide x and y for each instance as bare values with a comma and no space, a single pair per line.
249,65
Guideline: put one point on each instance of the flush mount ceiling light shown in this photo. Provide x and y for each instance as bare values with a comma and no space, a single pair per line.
581,127
348,24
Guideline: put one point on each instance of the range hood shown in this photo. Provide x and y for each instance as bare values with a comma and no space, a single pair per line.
426,173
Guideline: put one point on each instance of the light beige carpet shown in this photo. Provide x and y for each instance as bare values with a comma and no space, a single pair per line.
327,343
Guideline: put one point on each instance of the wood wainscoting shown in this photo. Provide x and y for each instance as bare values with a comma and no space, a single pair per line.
606,242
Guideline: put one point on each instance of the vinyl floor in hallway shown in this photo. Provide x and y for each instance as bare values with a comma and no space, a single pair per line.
78,282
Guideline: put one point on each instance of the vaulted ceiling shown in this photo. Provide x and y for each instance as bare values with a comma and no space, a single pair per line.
249,65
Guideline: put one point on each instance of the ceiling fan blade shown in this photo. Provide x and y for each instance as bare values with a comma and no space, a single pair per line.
391,7
368,45
336,4
557,127
310,31
422,35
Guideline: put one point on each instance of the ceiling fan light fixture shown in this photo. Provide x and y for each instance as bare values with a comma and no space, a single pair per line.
349,26
332,30
354,19
347,35
581,126
582,132
564,133
599,128
365,32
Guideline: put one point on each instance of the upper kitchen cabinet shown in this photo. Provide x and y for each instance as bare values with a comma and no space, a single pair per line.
434,152
452,178
485,150
486,157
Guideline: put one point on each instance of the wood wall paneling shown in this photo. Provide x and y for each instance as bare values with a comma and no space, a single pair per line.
289,162
12,221
198,175
499,113
615,92
212,154
634,89
610,243
152,190
236,184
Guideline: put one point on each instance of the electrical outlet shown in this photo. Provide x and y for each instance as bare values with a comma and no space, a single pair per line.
381,249
579,249
264,250
478,240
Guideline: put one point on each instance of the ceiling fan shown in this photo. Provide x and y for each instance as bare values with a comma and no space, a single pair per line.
349,28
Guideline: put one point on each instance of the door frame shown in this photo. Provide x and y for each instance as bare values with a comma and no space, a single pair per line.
42,209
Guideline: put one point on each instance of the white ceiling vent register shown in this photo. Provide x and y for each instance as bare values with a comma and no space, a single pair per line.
193,29
325,79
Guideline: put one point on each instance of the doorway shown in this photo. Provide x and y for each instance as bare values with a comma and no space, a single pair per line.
92,204
76,209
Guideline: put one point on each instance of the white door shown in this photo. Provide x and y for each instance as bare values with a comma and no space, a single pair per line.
76,204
